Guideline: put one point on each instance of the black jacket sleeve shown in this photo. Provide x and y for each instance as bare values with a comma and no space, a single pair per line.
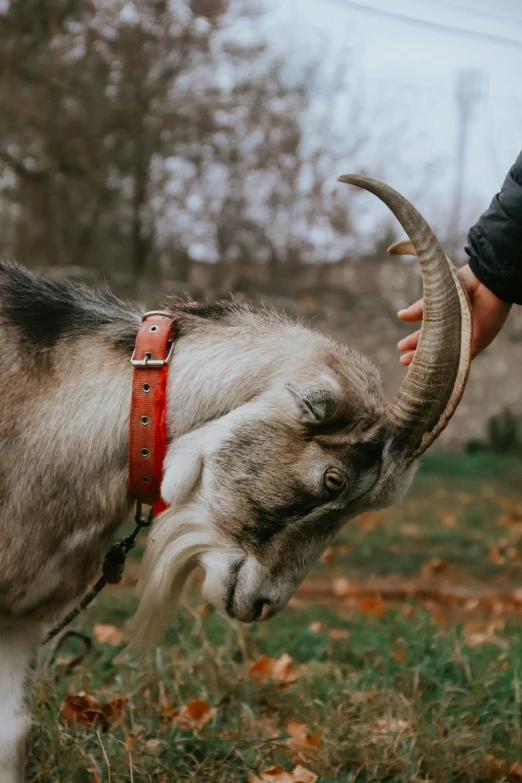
495,242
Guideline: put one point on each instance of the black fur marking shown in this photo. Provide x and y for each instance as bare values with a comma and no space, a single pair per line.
221,310
364,456
45,311
270,521
218,310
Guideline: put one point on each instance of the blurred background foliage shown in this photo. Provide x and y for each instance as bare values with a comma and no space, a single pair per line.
194,146
136,138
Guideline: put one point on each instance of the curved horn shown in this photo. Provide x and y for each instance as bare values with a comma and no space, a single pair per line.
405,248
437,375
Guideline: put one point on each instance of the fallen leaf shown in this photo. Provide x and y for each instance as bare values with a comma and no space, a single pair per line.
435,565
280,669
108,634
369,520
317,626
359,697
510,771
476,633
342,587
328,555
339,633
373,605
195,714
448,518
277,774
95,775
86,709
437,617
409,529
398,655
392,726
153,746
300,739
302,775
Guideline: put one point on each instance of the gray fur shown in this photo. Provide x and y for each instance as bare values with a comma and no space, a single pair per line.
244,474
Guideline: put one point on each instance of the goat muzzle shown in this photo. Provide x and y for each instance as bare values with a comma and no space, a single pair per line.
436,378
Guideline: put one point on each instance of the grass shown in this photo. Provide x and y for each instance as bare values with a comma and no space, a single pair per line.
397,693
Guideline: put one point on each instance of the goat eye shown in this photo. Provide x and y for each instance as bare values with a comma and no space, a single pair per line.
334,480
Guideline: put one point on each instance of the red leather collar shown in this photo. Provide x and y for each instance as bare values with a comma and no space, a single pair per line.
147,430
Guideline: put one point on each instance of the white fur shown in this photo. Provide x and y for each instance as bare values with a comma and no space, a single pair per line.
176,546
18,647
223,376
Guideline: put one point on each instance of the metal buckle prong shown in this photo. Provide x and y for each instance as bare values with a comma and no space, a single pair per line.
147,362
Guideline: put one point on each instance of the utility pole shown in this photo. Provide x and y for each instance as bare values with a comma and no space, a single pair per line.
470,88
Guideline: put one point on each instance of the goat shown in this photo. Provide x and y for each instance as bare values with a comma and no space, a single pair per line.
277,436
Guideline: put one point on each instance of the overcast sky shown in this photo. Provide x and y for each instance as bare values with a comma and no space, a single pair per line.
422,63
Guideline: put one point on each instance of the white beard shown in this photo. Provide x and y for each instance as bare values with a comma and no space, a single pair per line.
176,545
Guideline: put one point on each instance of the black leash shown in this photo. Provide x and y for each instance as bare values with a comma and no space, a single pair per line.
112,570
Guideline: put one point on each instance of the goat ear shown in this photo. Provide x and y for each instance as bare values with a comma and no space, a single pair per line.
314,404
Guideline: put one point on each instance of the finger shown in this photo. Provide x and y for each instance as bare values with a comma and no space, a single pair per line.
406,358
412,313
410,342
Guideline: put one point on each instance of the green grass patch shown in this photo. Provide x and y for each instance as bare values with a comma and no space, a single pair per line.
395,698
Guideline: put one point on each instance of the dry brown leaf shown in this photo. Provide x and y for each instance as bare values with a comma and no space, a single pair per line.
277,774
302,775
334,633
339,633
153,746
435,565
359,697
478,633
280,669
510,771
84,708
195,713
95,775
108,634
448,518
300,739
130,741
328,555
478,639
369,520
392,726
342,587
373,605
409,529
398,655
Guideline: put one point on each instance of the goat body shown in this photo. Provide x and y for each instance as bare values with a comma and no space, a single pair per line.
276,437
259,410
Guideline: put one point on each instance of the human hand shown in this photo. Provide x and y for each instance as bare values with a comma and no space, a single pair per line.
489,314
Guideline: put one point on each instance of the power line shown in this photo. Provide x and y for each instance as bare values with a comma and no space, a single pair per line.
467,10
415,22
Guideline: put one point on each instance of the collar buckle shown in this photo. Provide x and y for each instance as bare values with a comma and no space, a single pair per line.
148,361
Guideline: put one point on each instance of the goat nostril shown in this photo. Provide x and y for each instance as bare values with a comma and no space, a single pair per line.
262,609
